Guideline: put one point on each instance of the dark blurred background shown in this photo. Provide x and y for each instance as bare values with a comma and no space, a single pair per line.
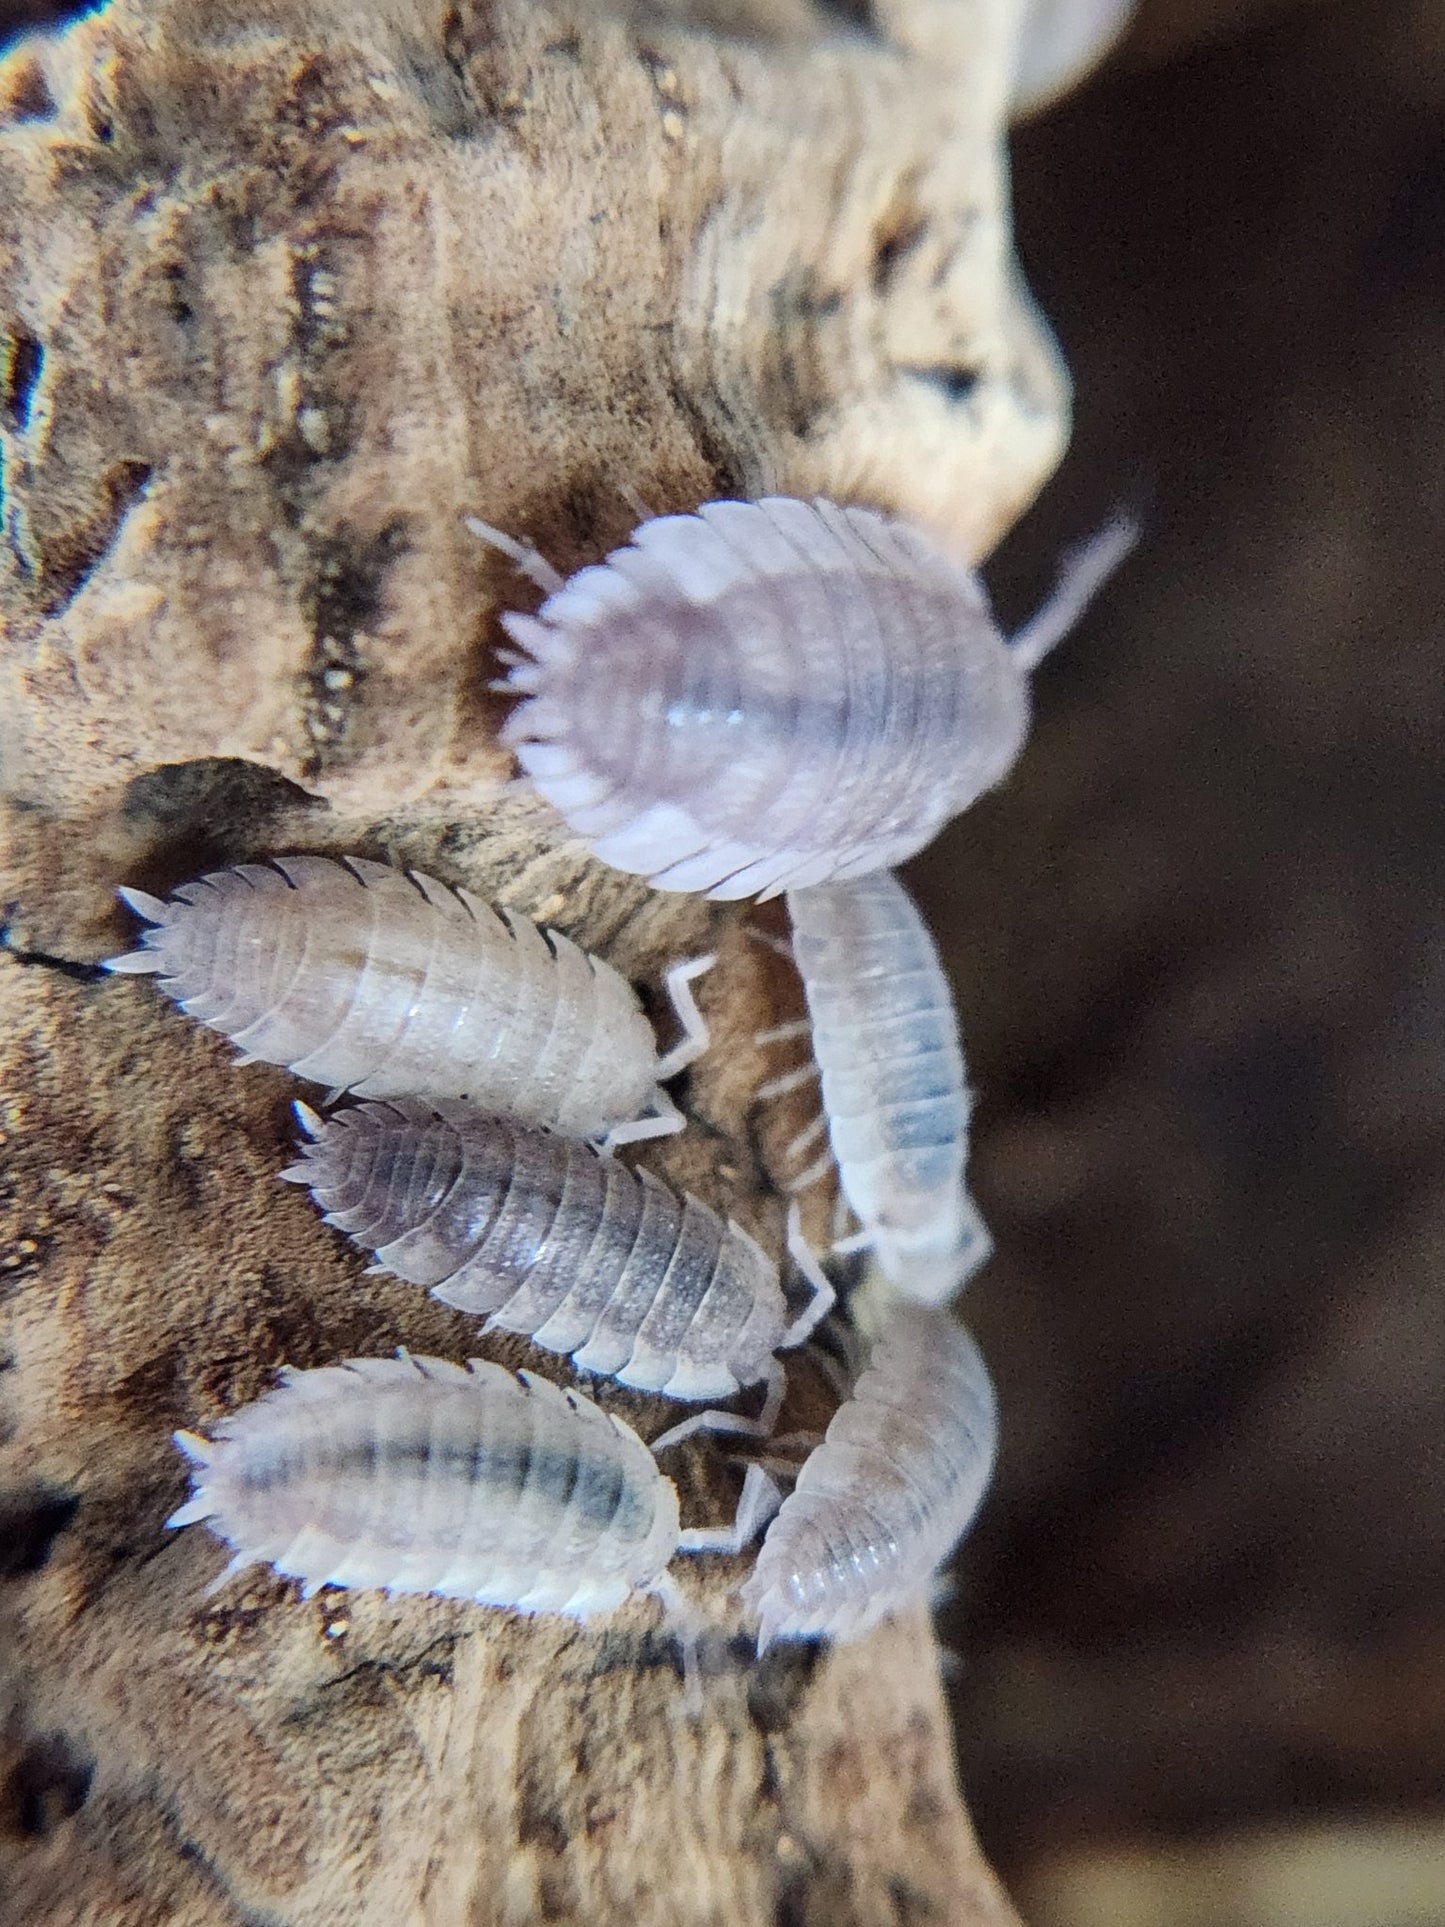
1199,943
18,16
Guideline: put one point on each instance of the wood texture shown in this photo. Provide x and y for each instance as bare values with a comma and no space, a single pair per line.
284,292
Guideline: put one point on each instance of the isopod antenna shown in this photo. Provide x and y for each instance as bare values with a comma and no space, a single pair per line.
1083,572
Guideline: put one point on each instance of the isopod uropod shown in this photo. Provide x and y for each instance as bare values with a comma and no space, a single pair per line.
415,1475
766,695
386,983
885,1037
544,1237
881,1503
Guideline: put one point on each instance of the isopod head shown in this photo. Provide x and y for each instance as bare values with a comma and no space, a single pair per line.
930,1262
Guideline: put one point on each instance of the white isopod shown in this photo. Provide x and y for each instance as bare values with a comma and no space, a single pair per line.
413,1475
386,983
765,695
885,1498
896,1104
577,1252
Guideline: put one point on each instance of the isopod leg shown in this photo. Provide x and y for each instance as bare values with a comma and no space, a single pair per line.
811,1174
783,1451
714,1421
789,1081
759,1500
809,1134
784,1033
777,1382
635,502
855,1241
824,1296
686,1628
529,561
780,946
695,1034
666,1121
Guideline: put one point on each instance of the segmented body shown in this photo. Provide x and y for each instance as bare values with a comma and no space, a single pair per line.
885,1035
367,979
420,1476
881,1503
765,695
544,1237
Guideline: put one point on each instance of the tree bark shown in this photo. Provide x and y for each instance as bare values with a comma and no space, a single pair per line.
287,290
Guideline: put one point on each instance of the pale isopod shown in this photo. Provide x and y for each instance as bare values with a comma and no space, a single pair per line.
414,1475
543,1237
885,1037
765,695
1059,41
382,982
885,1498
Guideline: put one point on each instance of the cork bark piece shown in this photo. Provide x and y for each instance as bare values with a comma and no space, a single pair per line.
412,1759
288,293
285,292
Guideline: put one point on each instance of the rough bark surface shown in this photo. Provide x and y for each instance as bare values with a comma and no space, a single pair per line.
284,292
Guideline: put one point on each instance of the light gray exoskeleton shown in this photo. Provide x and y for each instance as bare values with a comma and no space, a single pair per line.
882,1502
760,696
542,1236
387,983
884,1036
413,1475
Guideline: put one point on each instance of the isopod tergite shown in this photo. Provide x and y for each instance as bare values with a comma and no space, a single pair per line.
765,695
385,982
414,1475
542,1236
885,1498
885,1037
